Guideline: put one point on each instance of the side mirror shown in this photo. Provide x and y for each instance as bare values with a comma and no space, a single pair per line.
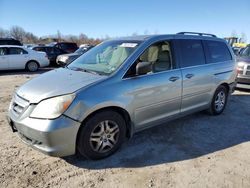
143,68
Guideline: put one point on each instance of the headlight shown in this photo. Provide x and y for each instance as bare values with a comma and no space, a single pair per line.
53,107
241,64
64,58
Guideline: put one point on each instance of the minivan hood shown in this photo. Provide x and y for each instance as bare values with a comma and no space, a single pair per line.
56,82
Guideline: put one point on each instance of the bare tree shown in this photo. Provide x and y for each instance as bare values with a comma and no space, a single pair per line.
134,34
243,37
234,34
30,38
59,36
3,33
17,33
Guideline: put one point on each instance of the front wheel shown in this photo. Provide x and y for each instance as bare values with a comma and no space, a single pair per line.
219,101
101,135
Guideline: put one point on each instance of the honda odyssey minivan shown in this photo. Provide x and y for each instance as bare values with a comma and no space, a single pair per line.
120,87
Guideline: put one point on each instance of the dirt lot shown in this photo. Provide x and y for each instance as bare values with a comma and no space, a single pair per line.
195,151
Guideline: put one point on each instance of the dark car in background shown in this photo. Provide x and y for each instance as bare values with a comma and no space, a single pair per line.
10,41
52,52
243,78
65,59
67,47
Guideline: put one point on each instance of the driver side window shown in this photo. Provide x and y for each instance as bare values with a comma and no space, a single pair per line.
156,58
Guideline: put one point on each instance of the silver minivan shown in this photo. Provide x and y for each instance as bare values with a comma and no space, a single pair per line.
120,87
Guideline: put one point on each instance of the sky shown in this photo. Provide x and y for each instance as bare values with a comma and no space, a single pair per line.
114,18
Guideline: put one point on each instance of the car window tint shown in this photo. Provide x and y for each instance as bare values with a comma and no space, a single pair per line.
218,52
3,51
192,53
17,51
56,51
39,49
50,50
158,54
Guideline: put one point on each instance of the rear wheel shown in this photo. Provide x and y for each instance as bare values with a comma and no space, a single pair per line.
32,66
101,135
219,101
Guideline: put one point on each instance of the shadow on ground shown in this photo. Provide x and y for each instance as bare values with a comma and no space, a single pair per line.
187,138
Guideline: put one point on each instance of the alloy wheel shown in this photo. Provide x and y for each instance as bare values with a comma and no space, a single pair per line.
104,136
220,101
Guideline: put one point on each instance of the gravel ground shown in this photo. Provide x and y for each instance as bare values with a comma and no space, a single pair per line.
196,151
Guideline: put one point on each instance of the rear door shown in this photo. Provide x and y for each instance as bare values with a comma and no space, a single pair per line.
197,75
4,61
18,58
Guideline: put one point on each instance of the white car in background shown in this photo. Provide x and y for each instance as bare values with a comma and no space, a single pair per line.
18,57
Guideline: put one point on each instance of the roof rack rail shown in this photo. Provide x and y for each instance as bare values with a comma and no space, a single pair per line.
195,33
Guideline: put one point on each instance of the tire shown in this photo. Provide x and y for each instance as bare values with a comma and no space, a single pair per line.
219,101
32,66
101,135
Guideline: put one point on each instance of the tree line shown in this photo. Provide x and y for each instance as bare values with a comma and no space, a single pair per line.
25,37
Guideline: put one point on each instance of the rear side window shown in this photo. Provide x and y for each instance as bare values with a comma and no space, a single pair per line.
3,51
192,53
49,50
40,49
68,45
16,51
218,52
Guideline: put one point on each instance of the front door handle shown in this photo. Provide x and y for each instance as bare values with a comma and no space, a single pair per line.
174,78
189,76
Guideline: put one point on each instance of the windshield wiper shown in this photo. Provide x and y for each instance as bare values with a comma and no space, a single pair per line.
84,70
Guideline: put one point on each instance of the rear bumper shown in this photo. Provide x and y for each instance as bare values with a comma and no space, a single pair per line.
44,62
52,137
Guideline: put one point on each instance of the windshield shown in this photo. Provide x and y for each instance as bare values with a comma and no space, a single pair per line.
245,52
104,58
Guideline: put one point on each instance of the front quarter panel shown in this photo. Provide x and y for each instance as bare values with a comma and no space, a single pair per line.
98,96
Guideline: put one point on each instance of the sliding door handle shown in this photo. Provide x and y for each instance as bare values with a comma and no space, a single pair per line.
189,76
174,78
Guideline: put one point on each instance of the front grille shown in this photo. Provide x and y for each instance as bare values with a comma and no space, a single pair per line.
19,105
244,71
18,109
29,140
243,80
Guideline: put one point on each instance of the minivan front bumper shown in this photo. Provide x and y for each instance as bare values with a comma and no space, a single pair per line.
55,137
243,82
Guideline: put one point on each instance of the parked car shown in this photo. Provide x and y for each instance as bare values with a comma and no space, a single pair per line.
67,47
236,50
29,45
243,78
18,57
52,52
10,41
65,59
120,87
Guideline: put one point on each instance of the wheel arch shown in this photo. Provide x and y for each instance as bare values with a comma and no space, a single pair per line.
124,113
226,85
32,60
